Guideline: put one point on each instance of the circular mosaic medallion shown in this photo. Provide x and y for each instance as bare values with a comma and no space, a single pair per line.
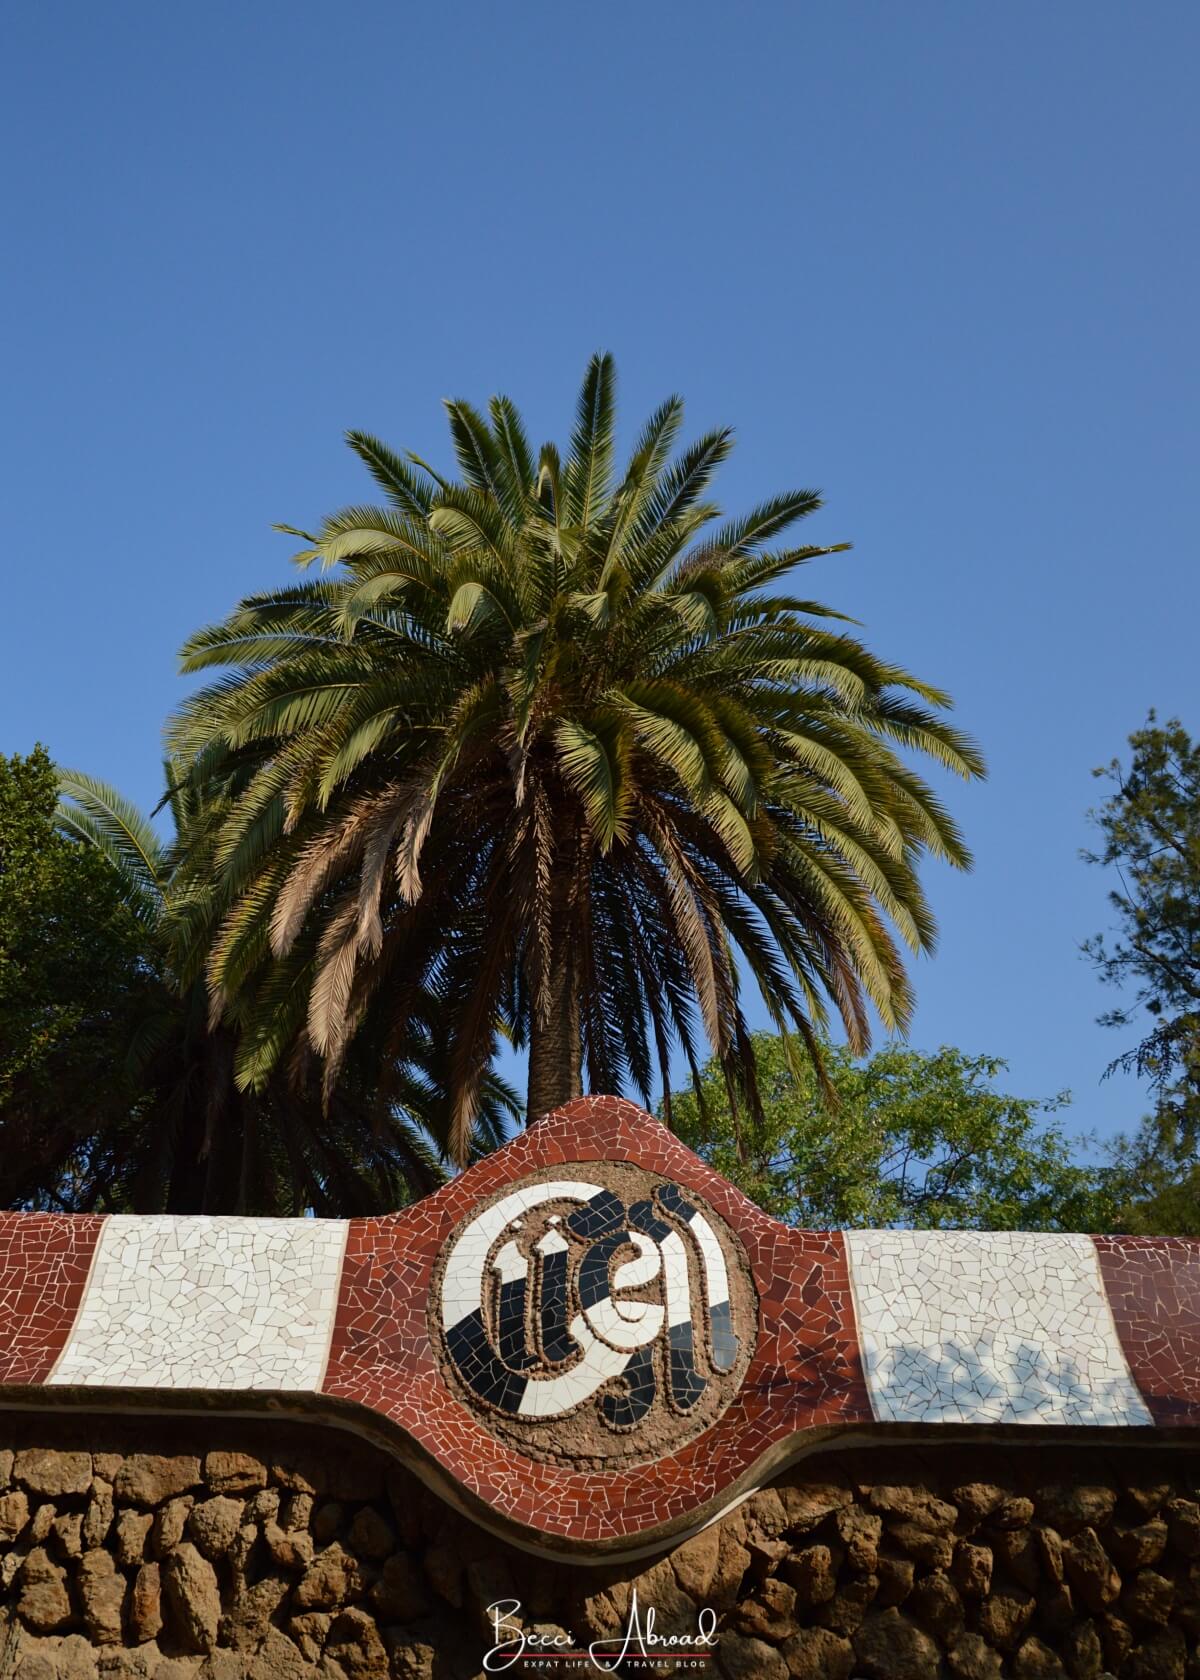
594,1314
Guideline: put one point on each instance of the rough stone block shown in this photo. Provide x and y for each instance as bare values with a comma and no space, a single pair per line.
233,1472
151,1478
193,1602
51,1474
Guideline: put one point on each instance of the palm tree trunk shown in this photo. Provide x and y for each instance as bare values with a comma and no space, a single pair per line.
556,1047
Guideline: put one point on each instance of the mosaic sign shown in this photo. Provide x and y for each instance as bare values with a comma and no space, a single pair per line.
595,1315
590,1339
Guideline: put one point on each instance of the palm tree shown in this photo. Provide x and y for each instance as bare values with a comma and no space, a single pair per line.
564,749
191,1139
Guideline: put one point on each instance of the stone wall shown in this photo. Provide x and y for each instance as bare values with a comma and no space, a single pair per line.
219,1550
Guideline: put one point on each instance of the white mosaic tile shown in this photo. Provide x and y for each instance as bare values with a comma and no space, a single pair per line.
715,1274
679,1289
988,1327
216,1303
551,1396
462,1285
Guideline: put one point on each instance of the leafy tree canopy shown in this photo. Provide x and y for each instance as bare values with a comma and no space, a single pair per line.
915,1139
76,971
117,1088
1150,836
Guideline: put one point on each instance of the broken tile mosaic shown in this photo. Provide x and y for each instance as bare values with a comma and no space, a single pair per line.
918,1328
207,1303
988,1327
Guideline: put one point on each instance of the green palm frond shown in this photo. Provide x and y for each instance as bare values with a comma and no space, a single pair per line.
95,813
589,465
393,475
549,744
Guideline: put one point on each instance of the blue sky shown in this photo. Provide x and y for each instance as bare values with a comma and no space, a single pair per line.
939,260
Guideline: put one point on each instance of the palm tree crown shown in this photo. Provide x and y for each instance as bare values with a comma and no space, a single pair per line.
562,747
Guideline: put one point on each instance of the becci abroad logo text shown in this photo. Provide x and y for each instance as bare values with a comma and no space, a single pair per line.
516,1645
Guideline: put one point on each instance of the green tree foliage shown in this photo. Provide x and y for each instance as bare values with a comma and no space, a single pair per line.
1150,833
913,1139
119,1090
77,970
556,744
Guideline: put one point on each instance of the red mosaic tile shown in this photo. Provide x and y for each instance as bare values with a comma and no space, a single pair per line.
1153,1286
44,1263
803,1376
805,1372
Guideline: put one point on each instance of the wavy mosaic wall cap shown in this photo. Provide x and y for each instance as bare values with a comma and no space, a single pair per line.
590,1340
